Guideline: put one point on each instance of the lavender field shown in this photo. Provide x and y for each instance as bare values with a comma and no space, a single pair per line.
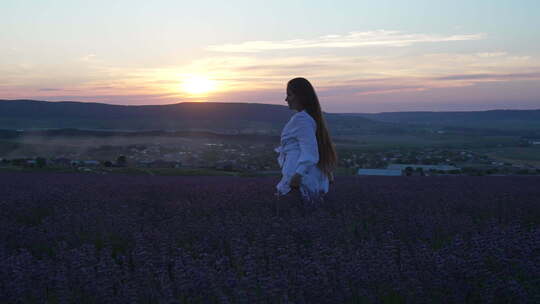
81,238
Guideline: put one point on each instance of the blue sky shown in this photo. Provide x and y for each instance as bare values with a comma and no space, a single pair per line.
361,56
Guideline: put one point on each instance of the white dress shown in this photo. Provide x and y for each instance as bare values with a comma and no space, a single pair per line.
298,153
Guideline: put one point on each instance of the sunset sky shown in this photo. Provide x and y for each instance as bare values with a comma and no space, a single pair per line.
361,56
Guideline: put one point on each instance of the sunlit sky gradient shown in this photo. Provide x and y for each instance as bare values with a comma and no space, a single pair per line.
361,56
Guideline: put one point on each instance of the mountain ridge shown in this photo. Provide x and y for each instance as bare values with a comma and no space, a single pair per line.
242,117
217,117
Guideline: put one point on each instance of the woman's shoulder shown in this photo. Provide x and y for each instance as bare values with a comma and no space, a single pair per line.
302,116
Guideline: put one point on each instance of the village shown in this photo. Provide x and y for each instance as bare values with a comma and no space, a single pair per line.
261,159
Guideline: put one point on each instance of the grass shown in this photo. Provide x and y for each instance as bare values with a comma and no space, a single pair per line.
521,155
340,171
129,170
172,171
384,142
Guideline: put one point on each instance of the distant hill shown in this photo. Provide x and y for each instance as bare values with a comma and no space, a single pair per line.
493,119
181,116
251,118
217,117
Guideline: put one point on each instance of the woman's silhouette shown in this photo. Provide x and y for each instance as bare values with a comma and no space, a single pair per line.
307,156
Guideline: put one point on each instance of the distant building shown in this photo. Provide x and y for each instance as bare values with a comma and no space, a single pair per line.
385,172
144,163
84,163
159,163
424,167
90,163
61,161
227,165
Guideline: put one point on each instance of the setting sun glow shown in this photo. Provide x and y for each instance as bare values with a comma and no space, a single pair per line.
197,85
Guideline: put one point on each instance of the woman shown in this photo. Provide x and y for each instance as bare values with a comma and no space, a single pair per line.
307,156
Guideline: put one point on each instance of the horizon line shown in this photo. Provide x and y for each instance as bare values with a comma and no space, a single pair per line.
269,104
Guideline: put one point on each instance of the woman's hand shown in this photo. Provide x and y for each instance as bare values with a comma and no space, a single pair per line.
296,181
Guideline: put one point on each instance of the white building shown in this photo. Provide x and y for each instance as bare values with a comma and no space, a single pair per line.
90,163
385,172
424,167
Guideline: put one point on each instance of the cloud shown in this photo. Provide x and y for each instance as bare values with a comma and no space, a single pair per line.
131,99
350,40
50,89
99,88
330,74
370,87
492,76
253,72
88,57
255,76
288,67
390,91
491,54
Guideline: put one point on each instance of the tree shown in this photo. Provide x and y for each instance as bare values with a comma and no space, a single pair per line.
41,162
18,161
210,155
121,161
408,171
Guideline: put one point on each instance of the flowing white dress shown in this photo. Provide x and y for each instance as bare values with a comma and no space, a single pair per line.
298,153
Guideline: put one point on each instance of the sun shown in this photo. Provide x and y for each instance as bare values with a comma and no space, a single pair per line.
198,85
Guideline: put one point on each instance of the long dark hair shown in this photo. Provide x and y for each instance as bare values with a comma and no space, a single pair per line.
304,91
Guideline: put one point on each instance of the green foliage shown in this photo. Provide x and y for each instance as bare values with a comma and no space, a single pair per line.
41,162
392,297
121,161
